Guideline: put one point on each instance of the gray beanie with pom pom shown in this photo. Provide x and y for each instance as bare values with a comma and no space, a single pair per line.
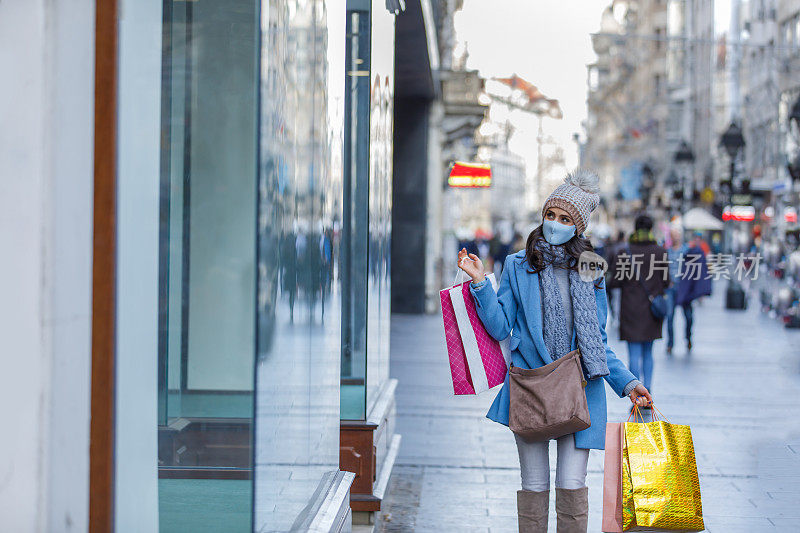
578,196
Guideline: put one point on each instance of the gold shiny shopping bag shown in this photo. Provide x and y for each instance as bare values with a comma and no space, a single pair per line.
659,477
628,510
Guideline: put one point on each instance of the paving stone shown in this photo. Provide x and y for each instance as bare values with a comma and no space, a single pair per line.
458,471
786,524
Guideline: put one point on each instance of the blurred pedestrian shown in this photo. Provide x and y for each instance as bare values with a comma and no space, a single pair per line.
518,242
288,261
693,283
675,255
701,242
716,242
560,312
472,245
612,250
498,250
494,250
641,272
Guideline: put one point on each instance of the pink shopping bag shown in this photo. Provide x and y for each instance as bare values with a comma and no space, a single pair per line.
612,478
477,361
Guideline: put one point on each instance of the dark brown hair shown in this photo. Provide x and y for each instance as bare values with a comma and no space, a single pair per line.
574,248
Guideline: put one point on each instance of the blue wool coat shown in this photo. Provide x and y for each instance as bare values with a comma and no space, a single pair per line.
516,308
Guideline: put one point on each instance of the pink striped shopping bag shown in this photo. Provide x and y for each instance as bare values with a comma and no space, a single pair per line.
477,361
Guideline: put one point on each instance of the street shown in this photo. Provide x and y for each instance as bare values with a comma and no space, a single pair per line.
458,471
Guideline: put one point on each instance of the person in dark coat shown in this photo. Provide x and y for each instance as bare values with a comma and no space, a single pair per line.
641,271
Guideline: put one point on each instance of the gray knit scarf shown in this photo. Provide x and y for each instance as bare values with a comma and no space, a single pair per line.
584,312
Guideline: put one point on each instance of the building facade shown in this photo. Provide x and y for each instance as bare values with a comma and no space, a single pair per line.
786,190
655,88
437,114
742,71
508,188
761,94
629,104
199,206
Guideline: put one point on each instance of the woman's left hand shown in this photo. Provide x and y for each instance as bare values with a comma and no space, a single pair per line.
640,396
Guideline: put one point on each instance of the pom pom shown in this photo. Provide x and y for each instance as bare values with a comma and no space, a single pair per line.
585,180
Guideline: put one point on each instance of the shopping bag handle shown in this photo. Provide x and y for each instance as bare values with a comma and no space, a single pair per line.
636,414
656,415
459,272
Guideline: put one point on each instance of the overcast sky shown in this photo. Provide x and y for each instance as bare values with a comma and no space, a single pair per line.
547,42
544,41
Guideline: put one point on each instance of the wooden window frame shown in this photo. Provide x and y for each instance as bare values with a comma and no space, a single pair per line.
101,446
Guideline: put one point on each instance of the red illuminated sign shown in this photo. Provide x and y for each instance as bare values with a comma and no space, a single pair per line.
470,175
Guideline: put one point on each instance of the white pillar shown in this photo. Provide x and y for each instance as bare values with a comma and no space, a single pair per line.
138,141
46,101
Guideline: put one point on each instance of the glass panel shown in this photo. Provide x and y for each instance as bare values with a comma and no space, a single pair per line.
299,287
367,208
355,229
248,192
380,187
207,263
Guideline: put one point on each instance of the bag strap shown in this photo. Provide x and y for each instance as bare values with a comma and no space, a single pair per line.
641,283
459,273
649,296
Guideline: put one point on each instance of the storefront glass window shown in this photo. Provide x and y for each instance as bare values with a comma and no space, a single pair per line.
299,297
369,70
207,278
380,196
355,228
230,296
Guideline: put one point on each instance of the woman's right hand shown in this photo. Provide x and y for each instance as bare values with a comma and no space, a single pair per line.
472,265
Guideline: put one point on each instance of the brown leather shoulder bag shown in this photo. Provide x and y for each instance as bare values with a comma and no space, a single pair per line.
549,402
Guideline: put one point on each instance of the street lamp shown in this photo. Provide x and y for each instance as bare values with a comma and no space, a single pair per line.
794,115
684,159
793,163
732,141
793,167
646,186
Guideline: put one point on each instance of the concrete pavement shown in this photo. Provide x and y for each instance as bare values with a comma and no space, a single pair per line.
458,471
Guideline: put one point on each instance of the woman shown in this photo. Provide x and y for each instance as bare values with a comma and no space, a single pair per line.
640,270
549,311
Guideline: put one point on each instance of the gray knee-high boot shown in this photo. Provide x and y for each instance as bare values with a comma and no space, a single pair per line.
532,508
572,510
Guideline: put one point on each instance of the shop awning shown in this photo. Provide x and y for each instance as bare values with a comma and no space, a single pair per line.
698,218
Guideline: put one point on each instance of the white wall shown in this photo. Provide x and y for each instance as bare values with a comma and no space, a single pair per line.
138,148
71,130
25,363
46,55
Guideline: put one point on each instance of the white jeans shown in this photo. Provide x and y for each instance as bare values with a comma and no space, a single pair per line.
534,463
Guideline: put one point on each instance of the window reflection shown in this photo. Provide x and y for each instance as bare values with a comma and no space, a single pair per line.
299,233
250,238
380,193
355,228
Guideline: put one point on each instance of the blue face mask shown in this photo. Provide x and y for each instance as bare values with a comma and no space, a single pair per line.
556,233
